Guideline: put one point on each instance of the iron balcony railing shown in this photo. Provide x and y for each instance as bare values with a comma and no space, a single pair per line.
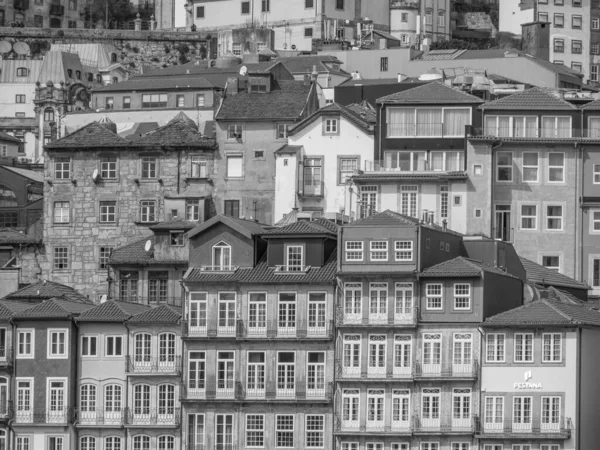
533,132
420,166
6,356
151,301
272,329
353,425
374,373
6,410
61,416
146,365
295,391
405,318
154,416
444,424
101,417
446,370
526,428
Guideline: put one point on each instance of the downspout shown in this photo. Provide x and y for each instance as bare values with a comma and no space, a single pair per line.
13,381
578,214
380,119
178,170
579,387
127,385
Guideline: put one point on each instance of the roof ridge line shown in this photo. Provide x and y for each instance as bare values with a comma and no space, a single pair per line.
557,310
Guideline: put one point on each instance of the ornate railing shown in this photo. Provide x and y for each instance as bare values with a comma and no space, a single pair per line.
100,417
408,319
156,365
527,428
154,416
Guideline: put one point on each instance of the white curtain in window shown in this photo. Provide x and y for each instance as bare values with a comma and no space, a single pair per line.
504,126
437,161
429,122
401,122
455,121
490,125
454,161
594,124
524,126
234,166
563,127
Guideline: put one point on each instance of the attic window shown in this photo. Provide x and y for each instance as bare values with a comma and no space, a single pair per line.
221,256
70,73
22,71
90,77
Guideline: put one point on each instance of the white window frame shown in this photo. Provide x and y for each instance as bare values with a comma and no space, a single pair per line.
294,267
403,250
563,168
236,156
29,411
549,217
505,166
24,331
378,254
114,337
283,428
415,123
331,126
356,250
553,339
64,380
148,211
58,331
593,221
495,341
197,162
222,245
306,430
429,296
552,255
89,338
461,296
255,430
524,337
535,167
521,217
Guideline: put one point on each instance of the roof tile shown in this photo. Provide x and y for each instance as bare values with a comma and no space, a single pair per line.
54,308
135,253
318,226
547,312
112,311
430,93
8,237
43,290
461,267
160,314
90,135
181,131
539,274
352,115
531,99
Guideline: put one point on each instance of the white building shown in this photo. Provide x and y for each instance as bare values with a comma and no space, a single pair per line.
322,152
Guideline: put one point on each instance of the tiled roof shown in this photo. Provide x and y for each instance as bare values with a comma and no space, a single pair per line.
201,68
91,135
16,306
32,175
353,116
304,64
112,311
546,312
146,83
174,225
244,227
319,226
288,149
45,289
365,110
160,314
430,93
286,101
9,138
460,267
181,131
263,274
56,307
531,99
592,106
385,218
7,313
135,253
458,175
539,274
9,237
406,83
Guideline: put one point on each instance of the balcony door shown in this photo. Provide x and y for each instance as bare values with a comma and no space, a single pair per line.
430,404
461,409
350,409
255,385
432,353
494,415
502,228
404,303
166,352
315,385
57,401
402,355
378,303
141,404
550,414
353,303
225,371
286,325
224,432
257,314
351,357
377,356
462,361
401,409
197,317
317,313
521,414
143,351
226,324
286,374
313,177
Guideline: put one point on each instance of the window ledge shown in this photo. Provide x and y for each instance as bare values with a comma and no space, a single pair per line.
206,179
219,269
139,222
283,270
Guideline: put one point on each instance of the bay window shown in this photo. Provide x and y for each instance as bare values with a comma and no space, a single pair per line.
427,122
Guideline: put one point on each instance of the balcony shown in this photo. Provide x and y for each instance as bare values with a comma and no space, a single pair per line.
101,417
57,10
316,189
295,391
205,330
272,330
44,416
534,428
6,356
444,425
534,134
379,374
392,319
150,301
162,365
158,417
211,389
447,371
401,427
410,130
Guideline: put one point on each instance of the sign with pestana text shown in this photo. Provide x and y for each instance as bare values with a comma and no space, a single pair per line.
527,385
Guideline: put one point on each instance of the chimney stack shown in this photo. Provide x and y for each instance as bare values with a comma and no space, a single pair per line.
314,75
445,225
431,214
424,216
307,77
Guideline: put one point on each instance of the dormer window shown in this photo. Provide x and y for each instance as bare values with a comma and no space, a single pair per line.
22,71
221,256
70,73
294,258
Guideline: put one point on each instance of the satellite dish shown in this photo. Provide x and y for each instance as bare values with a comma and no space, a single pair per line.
293,46
103,298
5,46
95,175
148,245
243,71
21,48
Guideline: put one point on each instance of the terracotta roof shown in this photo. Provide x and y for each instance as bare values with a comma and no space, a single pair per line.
56,307
112,311
43,290
90,135
286,101
146,83
135,253
461,267
386,218
263,274
10,237
319,226
9,138
304,64
8,308
32,175
430,93
175,225
592,106
546,312
181,131
365,110
247,228
531,99
539,274
160,314
352,115
288,149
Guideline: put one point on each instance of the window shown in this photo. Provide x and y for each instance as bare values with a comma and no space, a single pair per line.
108,167
199,12
20,98
552,347
22,71
148,211
543,17
576,46
57,344
24,401
55,443
166,443
403,250
48,115
308,32
309,3
114,346
266,6
180,100
550,413
286,313
554,215
62,168
559,20
441,19
221,256
316,312
354,250
126,102
378,301
315,431
177,238
282,130
158,286
462,296
378,250
428,18
25,343
149,167
109,103
330,126
141,442
200,100
576,66
530,166
495,347
284,431
430,405
192,210
232,208
427,122
551,262
225,365
235,166
594,67
154,100
556,167
56,400
87,442
408,200
196,371
226,305
346,167
523,347
89,346
294,258
528,217
199,167
236,49
559,47
576,23
61,258
255,430
504,166
494,414
245,7
556,126
595,23
9,219
383,64
108,212
61,212
434,296
87,398
522,412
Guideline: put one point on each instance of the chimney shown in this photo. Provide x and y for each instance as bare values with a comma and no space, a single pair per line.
306,79
53,131
424,216
314,75
445,225
401,77
232,86
105,122
431,214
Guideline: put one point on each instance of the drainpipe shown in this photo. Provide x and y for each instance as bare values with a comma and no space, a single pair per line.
492,180
380,119
579,386
126,412
13,381
578,274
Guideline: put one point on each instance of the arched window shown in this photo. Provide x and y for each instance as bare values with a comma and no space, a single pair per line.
115,80
49,115
113,57
87,443
166,442
78,74
70,73
166,402
22,71
7,196
87,403
141,403
112,443
143,348
166,350
141,442
221,256
113,403
98,78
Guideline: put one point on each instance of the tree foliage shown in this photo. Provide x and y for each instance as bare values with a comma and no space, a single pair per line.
113,10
